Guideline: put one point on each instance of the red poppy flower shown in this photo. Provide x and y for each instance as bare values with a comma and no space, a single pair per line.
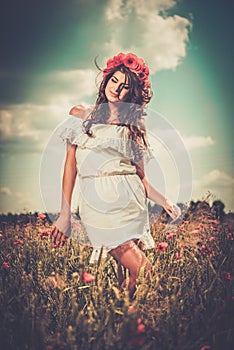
205,249
170,236
141,328
87,277
141,65
131,309
145,70
162,247
212,253
142,76
106,71
110,63
5,265
205,347
19,242
41,216
118,60
113,62
229,236
216,222
44,234
131,61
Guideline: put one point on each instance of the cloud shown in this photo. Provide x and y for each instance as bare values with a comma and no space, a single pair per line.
172,140
26,127
70,86
17,201
193,142
148,31
6,191
67,87
118,9
219,186
216,178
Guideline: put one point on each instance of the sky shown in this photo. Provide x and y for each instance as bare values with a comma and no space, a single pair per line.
47,66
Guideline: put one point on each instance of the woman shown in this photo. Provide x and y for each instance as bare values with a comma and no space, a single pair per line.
107,150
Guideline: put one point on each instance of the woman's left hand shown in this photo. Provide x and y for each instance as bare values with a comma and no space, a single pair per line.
172,209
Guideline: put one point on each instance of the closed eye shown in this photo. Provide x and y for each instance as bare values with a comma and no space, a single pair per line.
115,80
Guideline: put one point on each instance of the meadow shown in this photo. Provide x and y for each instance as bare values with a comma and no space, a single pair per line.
52,299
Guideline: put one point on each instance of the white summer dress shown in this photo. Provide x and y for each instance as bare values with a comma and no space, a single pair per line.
112,202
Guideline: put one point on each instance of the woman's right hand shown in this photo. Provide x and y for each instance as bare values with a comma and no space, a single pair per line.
172,209
60,231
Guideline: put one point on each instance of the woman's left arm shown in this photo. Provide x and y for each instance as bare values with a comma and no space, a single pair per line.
172,209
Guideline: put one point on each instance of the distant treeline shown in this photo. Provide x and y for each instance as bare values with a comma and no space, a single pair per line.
193,210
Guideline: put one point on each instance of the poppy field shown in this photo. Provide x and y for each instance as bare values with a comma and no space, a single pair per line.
51,298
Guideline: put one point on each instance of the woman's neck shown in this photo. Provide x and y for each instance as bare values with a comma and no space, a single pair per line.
114,114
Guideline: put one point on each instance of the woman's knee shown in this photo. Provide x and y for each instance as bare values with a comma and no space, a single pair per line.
131,257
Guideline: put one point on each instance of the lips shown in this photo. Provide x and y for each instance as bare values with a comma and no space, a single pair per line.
114,95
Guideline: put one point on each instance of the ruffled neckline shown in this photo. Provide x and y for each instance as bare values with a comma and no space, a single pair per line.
109,124
72,131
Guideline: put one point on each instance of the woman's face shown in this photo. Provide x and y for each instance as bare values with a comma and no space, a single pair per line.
114,86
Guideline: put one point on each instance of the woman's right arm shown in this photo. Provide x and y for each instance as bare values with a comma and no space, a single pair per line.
62,225
69,177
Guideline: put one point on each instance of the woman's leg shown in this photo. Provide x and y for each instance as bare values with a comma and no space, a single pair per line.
122,269
132,258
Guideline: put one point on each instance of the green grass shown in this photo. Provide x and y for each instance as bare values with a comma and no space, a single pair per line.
187,304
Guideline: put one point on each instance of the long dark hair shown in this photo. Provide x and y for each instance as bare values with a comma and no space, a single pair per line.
131,110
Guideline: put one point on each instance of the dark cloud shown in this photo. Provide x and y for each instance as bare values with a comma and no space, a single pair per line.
18,145
48,35
36,36
32,30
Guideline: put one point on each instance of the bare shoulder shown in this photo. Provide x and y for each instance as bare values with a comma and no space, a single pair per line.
81,111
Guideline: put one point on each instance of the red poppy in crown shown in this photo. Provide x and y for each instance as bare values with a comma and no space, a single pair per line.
133,63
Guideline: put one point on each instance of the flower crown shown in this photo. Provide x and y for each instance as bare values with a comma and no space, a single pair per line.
133,63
